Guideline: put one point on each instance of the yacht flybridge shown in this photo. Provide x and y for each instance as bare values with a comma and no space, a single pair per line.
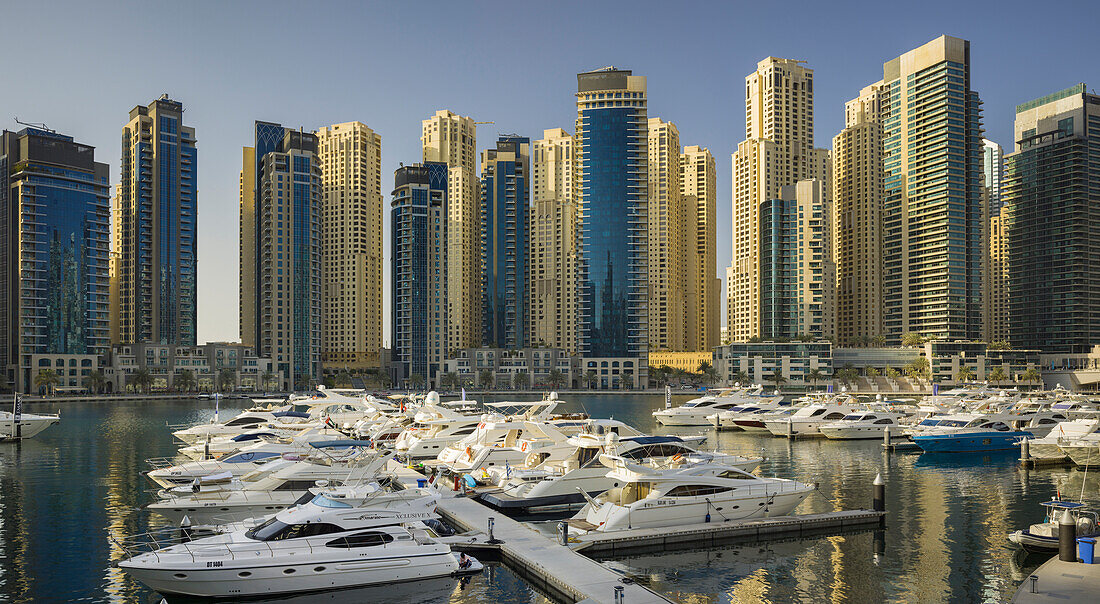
337,539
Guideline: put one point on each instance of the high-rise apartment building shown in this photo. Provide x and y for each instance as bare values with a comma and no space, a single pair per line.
1051,195
55,245
505,224
419,309
612,238
797,274
996,315
156,227
452,139
667,225
933,214
281,251
993,173
552,281
350,155
698,193
778,151
858,192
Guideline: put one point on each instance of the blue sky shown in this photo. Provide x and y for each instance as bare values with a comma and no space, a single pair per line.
80,67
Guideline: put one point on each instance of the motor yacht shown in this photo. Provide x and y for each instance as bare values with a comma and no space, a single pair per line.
967,432
240,423
652,497
807,421
284,440
558,483
1043,537
1083,451
696,411
433,428
495,427
728,419
329,542
531,437
855,426
275,490
1048,447
29,425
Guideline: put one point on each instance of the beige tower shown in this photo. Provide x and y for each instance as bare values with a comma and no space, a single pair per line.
996,315
247,288
858,197
452,139
698,197
351,255
778,151
668,261
552,304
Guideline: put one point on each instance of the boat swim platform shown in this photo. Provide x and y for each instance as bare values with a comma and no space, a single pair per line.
1059,581
716,534
1047,462
557,570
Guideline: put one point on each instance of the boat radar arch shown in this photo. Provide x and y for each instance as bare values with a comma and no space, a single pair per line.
432,398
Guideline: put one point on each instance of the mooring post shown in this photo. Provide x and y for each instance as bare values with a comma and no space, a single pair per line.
1067,537
1025,451
620,595
878,497
790,428
886,438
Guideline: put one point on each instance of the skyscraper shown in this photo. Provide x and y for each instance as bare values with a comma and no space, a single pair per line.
797,275
350,155
552,303
1051,193
156,224
668,261
611,181
505,216
452,139
857,201
419,272
55,241
778,151
993,172
698,184
995,277
933,211
281,251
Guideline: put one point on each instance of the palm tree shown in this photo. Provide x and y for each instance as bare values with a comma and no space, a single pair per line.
416,381
892,373
627,381
708,374
814,376
141,380
964,374
46,378
999,345
343,378
777,378
918,368
1032,375
265,379
912,339
871,372
520,380
658,375
879,340
590,378
485,379
185,380
227,379
556,379
741,378
997,374
95,381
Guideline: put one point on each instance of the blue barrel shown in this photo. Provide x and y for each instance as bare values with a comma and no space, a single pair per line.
422,482
1086,546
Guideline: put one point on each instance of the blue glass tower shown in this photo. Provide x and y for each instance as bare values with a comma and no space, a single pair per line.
505,214
55,245
612,147
419,270
156,225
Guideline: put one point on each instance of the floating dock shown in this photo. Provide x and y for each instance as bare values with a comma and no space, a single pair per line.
714,534
1058,581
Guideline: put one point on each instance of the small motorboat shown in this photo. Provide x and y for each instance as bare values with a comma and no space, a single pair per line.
29,425
1043,537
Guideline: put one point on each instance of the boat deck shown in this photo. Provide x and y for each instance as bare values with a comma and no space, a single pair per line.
1060,581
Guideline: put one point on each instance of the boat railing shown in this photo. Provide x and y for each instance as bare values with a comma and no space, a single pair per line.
180,426
159,463
174,542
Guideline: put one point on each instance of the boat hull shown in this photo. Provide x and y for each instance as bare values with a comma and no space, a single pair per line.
971,442
29,426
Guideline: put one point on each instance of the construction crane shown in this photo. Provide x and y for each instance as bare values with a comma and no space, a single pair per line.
39,126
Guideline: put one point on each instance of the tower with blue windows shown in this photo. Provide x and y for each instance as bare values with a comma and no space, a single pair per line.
612,238
55,246
505,214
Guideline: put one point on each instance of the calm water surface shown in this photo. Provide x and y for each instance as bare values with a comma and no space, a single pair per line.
68,491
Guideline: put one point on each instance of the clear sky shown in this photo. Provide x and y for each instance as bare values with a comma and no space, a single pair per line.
81,66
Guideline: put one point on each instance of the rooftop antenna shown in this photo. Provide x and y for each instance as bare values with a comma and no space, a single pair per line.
39,126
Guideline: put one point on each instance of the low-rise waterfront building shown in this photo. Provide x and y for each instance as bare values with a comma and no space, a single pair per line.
757,363
166,365
685,361
498,368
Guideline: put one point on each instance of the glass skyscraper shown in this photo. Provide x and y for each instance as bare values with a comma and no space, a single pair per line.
55,245
505,217
612,191
156,227
419,270
1051,195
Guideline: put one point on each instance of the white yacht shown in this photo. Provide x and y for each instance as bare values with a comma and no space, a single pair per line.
558,483
1048,447
330,542
276,489
696,411
807,421
1083,451
290,439
29,425
240,423
855,426
660,497
495,427
516,445
728,419
433,428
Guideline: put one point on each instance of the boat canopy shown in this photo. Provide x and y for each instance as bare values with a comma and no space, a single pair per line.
251,436
291,414
1063,505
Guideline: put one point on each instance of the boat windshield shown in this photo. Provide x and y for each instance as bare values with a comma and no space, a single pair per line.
274,529
852,418
325,502
952,423
699,403
929,422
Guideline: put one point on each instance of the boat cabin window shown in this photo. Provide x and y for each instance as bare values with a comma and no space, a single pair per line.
929,422
1046,421
586,455
885,420
817,412
276,530
852,418
736,475
247,456
367,539
296,485
244,421
952,423
696,490
659,450
464,431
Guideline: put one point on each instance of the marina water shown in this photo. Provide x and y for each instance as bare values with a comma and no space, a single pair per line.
67,492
